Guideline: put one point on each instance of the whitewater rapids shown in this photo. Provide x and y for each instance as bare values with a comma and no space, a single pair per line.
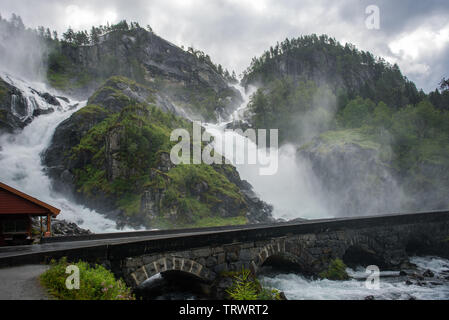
21,164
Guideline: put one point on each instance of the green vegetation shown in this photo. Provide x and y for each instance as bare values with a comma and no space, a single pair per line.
292,107
247,287
440,97
63,73
336,271
348,71
410,139
120,158
96,283
198,192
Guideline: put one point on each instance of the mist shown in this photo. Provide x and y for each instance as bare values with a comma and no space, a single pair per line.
314,180
23,52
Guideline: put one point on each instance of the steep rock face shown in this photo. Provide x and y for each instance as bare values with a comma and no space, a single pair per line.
320,68
19,106
354,180
148,59
113,156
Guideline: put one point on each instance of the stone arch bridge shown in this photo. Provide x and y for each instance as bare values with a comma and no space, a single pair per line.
306,247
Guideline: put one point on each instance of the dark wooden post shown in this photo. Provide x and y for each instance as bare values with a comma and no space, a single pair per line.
48,233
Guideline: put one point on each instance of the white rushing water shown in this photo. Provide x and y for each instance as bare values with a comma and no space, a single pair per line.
297,287
20,158
292,190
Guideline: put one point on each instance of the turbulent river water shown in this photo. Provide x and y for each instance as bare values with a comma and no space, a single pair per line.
291,191
392,286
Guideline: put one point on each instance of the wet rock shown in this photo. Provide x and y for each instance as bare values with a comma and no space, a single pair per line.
63,99
60,228
421,284
65,228
282,296
346,163
402,273
417,276
39,112
428,274
370,298
50,99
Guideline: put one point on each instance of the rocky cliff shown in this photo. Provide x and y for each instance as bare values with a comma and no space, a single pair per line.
354,173
20,104
189,81
113,156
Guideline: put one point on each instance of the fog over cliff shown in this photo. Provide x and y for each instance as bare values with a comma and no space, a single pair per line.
22,52
413,34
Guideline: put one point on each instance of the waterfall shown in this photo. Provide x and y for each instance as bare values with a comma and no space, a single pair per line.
29,96
20,158
293,190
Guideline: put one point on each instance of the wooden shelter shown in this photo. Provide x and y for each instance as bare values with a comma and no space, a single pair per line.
16,212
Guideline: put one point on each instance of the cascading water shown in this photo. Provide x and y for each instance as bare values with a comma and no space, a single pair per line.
292,190
294,193
392,286
20,157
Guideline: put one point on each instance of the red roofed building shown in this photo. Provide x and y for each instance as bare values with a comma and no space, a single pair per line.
16,211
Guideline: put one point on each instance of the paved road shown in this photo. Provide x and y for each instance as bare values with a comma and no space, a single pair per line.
22,283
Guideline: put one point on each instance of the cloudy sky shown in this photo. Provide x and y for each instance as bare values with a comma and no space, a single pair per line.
413,34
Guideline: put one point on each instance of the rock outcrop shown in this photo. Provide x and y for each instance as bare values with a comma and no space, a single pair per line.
19,106
114,156
181,77
353,177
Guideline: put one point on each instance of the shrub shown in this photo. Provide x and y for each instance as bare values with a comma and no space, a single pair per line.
246,287
336,271
96,283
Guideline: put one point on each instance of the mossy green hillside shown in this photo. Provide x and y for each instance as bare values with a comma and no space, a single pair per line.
197,192
142,134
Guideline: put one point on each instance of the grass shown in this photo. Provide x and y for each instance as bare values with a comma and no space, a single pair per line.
95,282
349,136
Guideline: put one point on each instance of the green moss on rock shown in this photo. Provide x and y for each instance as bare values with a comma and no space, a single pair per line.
336,271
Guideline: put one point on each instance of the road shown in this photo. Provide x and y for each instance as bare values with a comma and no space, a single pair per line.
22,283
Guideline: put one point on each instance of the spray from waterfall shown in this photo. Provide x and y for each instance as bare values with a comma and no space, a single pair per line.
293,190
20,156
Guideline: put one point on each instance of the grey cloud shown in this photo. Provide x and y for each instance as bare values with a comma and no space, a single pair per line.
232,31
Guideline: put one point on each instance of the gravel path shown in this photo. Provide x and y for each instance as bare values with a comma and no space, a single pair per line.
22,283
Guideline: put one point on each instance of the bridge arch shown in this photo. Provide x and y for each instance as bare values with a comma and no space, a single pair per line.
361,250
280,255
169,264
